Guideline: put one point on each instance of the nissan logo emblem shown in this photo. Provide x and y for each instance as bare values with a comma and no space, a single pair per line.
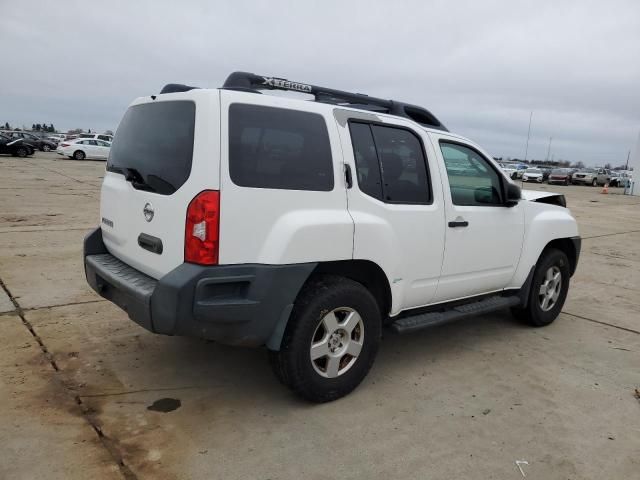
148,212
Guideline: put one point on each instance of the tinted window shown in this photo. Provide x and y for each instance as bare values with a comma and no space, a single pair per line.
155,140
394,155
279,148
367,165
471,178
92,142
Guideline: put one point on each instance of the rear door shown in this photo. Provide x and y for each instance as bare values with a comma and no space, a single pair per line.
396,203
91,148
103,149
164,153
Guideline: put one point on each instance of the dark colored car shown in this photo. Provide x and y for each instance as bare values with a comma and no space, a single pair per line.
41,144
560,175
14,147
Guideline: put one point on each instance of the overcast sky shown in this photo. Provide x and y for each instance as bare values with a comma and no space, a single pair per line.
480,66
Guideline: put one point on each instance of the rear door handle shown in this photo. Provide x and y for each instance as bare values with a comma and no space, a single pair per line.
459,223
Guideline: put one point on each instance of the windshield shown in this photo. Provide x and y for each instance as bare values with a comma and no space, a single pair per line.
588,170
154,145
534,170
559,171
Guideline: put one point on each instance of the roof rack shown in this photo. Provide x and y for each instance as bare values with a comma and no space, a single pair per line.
250,82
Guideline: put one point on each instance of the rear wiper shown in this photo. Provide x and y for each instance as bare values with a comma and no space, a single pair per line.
137,180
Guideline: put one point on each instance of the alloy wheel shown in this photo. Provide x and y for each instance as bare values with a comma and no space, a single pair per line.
337,342
550,289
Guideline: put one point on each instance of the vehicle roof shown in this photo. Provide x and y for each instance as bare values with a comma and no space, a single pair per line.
328,107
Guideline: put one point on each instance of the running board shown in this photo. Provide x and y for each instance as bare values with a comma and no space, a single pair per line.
431,319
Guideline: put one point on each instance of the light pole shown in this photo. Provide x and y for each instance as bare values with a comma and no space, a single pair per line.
549,149
526,150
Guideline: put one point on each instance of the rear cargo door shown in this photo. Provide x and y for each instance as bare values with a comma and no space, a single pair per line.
164,153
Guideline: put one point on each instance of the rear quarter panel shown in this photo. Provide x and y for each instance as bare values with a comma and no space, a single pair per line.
274,226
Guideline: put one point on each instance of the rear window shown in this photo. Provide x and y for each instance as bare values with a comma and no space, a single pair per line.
279,148
154,145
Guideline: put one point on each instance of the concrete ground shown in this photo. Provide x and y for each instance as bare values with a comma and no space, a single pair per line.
482,398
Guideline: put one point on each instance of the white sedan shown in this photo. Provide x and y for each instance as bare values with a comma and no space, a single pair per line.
533,175
82,148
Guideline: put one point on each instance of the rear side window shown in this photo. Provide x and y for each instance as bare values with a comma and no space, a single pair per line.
279,148
390,164
154,142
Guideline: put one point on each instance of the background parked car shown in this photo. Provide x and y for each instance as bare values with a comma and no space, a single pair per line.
592,176
533,175
56,138
35,141
82,148
14,146
510,170
560,175
97,136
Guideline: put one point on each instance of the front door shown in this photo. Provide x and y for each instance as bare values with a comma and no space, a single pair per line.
396,204
483,237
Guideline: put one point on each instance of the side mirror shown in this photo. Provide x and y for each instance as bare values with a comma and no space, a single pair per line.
514,195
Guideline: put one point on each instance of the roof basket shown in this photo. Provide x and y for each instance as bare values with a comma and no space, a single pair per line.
250,82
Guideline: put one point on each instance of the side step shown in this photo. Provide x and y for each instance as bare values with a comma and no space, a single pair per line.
430,319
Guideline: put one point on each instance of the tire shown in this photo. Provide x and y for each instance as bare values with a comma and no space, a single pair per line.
46,148
566,183
79,155
594,183
514,176
22,152
537,313
338,315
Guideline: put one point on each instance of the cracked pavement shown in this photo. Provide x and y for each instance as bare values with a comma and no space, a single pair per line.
86,393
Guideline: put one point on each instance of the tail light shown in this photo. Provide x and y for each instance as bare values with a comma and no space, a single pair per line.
64,144
202,229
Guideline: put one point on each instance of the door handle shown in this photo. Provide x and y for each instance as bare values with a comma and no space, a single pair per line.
459,223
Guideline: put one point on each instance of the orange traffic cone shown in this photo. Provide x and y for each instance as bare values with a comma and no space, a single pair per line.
605,189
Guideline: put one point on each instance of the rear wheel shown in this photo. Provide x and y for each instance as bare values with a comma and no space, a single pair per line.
331,339
22,152
79,155
566,183
594,183
549,289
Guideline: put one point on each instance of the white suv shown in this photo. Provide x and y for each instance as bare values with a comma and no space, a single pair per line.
308,226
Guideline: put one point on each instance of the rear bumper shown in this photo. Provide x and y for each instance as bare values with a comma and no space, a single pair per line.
232,304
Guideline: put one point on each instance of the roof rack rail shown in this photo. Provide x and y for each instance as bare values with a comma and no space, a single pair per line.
245,81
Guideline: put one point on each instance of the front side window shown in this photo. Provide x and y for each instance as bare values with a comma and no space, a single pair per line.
279,148
390,164
472,180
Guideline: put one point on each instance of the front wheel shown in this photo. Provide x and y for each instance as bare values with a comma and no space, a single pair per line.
594,183
331,339
549,289
46,148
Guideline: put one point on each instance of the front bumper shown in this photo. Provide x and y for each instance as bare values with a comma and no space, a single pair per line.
232,304
582,180
577,245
